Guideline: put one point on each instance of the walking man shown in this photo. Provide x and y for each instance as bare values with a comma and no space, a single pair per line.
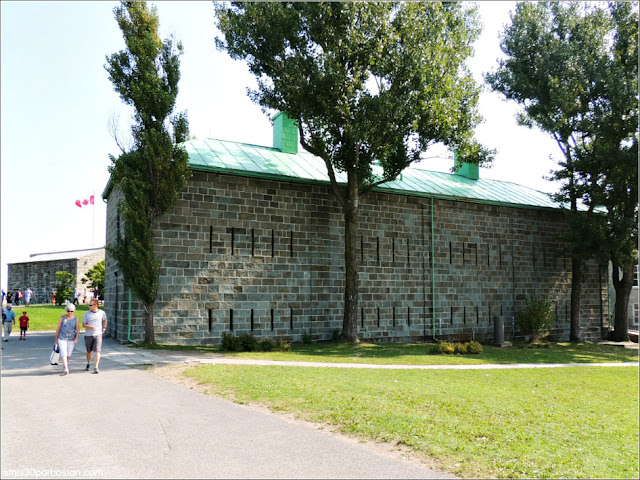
95,324
8,321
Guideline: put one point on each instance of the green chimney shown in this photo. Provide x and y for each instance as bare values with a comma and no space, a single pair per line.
467,170
285,133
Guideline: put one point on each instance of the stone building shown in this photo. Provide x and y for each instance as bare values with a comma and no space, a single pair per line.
255,245
39,272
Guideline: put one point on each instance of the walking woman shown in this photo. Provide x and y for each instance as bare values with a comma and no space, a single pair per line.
67,335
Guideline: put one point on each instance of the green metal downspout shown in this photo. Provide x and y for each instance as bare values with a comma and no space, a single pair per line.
433,277
129,318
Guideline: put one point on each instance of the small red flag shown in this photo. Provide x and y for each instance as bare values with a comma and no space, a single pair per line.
91,199
78,203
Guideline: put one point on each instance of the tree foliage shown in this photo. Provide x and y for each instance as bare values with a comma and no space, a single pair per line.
572,66
94,279
64,287
370,85
151,174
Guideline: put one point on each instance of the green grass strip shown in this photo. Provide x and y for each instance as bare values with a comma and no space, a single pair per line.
524,423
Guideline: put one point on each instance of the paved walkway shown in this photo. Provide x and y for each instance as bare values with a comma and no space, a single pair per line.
127,423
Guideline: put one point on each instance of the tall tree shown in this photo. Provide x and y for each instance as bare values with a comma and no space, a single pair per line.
154,171
608,158
366,83
561,65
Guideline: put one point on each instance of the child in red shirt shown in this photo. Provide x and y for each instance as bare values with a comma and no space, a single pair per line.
24,324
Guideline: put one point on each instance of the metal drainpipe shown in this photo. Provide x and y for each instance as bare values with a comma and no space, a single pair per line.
433,278
129,318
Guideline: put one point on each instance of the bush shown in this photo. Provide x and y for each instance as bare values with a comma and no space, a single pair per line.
306,337
64,287
230,343
284,346
267,345
460,348
474,348
249,343
336,334
446,347
537,318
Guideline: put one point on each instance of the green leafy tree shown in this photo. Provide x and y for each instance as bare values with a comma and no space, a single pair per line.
573,68
367,84
65,287
155,170
95,279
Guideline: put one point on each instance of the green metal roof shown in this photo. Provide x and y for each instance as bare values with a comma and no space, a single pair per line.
270,163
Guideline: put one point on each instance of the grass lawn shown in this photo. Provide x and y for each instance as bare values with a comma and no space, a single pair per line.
523,423
45,316
418,353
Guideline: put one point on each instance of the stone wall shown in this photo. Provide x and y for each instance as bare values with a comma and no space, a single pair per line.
247,255
41,275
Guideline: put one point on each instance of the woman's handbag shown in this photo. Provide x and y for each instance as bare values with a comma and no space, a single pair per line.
54,358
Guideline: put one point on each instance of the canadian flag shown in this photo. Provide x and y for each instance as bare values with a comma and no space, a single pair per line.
85,202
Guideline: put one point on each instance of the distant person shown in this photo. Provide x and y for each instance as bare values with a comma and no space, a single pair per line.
24,325
28,293
76,296
53,298
67,335
95,323
8,320
9,296
4,294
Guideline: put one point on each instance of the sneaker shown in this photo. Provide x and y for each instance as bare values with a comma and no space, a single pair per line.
65,372
88,367
95,370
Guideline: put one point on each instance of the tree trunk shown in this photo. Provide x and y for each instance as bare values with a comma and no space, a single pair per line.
576,290
149,333
350,319
623,288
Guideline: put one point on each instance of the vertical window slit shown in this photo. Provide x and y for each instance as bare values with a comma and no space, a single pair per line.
272,319
291,318
451,315
210,238
252,319
231,319
394,316
378,316
409,316
233,241
361,317
393,250
464,318
253,242
291,243
477,314
450,253
210,319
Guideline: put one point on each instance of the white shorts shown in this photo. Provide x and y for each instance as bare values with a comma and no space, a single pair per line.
66,347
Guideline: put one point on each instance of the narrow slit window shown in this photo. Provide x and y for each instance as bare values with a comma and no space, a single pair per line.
291,244
210,240
210,319
253,243
231,319
252,319
272,319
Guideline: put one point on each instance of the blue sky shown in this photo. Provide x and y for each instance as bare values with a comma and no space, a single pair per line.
57,101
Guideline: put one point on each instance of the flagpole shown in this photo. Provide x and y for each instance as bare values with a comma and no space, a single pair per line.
93,221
